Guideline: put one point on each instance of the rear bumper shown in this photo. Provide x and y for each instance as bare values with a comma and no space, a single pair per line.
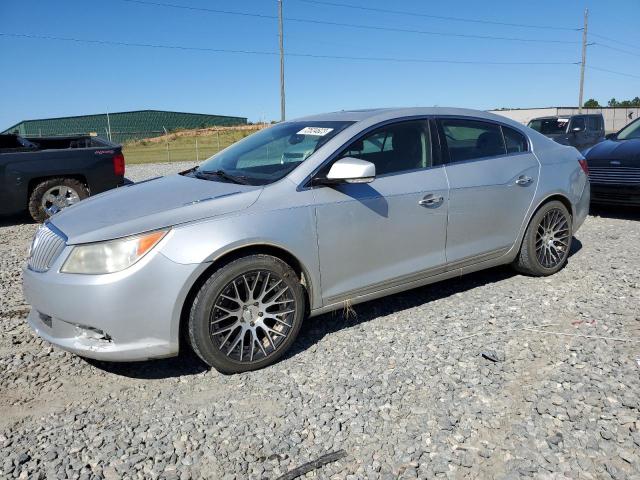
615,194
125,316
582,207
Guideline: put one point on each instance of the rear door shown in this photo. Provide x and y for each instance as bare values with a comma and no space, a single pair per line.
595,131
385,233
492,180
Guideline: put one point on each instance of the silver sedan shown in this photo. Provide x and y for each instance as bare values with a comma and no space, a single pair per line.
297,220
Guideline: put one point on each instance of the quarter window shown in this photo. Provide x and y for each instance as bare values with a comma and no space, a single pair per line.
515,141
394,148
470,139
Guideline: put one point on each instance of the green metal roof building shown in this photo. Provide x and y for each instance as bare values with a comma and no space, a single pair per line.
122,126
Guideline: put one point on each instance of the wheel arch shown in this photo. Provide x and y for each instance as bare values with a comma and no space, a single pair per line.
240,252
562,198
35,181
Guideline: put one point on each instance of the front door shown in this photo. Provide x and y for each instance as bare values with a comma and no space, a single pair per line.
492,179
378,235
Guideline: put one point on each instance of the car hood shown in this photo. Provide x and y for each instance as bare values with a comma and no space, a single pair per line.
150,205
615,150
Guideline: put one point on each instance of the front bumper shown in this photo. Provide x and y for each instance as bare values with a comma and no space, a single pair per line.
125,316
615,194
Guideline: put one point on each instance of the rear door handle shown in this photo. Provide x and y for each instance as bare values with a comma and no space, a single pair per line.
524,180
431,200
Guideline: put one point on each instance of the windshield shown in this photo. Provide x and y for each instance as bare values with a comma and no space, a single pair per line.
270,154
630,131
549,126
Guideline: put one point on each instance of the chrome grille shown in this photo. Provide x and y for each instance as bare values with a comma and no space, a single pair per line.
614,175
45,248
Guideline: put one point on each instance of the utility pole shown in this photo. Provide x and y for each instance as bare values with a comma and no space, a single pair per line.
108,126
584,58
282,102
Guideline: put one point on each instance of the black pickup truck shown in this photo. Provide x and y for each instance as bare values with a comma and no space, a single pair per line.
47,174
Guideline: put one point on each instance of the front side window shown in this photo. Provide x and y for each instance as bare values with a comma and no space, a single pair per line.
579,123
270,154
514,140
394,148
471,139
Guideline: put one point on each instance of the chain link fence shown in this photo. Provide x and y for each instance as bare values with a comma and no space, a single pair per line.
184,146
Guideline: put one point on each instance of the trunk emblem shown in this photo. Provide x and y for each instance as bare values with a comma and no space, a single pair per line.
614,162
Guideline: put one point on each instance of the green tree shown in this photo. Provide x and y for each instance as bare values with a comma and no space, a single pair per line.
613,103
591,103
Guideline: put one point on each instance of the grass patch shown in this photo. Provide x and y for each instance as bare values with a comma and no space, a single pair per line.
182,145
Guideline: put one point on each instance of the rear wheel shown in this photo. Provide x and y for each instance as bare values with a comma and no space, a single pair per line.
53,195
247,314
547,241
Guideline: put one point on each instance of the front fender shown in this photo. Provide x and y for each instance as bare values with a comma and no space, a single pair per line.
291,229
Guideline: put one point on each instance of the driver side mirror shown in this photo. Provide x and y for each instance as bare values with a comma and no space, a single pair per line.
349,170
611,136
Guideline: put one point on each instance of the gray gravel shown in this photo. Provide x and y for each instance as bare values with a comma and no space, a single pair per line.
455,380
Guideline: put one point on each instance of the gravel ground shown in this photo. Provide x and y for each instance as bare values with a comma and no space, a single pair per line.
403,386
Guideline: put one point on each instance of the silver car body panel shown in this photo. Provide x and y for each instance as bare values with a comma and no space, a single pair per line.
354,242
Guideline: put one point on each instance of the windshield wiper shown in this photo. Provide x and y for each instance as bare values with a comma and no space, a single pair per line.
222,174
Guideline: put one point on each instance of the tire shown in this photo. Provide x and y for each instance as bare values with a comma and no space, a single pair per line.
231,325
542,261
53,195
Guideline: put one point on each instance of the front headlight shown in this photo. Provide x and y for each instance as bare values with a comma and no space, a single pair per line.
111,256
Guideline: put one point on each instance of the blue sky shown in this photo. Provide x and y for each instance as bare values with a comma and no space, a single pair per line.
45,78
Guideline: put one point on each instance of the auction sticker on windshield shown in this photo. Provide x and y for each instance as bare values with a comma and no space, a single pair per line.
316,131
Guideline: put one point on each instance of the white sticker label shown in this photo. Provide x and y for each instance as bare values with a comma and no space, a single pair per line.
316,131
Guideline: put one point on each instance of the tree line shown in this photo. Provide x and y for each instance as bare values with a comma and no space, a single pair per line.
593,103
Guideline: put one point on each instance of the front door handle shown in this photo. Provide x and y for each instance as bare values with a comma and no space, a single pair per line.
431,200
523,180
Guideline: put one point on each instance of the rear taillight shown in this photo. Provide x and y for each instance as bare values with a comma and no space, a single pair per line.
118,165
584,165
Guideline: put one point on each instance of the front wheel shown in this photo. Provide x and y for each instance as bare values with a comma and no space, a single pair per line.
547,241
247,314
53,195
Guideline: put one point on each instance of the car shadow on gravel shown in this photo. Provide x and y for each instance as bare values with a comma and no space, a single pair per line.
185,364
313,330
619,213
16,219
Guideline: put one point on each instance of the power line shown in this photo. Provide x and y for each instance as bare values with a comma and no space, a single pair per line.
355,25
598,44
614,40
613,71
202,9
273,53
437,17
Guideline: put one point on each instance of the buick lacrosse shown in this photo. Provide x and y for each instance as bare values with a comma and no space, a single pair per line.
297,220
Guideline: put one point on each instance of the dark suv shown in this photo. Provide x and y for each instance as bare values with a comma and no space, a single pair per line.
580,131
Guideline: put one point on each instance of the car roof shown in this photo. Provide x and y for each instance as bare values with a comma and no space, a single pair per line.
553,117
382,114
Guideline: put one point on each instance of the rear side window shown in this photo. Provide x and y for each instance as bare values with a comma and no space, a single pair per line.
594,123
470,139
514,140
